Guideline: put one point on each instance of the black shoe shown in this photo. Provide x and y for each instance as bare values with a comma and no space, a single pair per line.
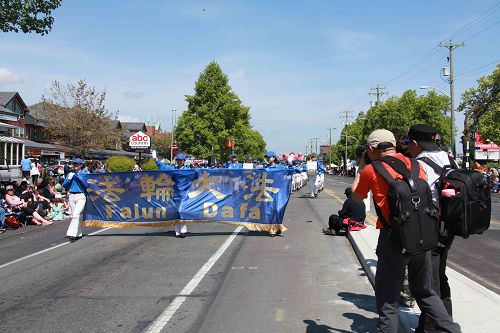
278,232
183,235
272,234
177,236
72,239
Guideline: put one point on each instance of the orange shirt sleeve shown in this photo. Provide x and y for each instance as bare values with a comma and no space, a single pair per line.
365,181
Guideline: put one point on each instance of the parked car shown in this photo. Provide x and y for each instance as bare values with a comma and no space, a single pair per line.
58,167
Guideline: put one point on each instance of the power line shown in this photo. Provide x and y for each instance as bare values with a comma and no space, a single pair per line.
478,20
423,70
412,67
480,32
477,68
463,29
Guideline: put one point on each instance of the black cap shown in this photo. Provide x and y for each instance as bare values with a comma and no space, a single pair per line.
425,135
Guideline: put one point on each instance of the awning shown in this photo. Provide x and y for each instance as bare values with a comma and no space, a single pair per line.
4,125
10,139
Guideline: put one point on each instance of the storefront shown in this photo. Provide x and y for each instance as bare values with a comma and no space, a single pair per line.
46,153
11,154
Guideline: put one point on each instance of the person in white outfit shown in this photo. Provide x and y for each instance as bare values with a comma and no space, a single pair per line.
76,200
312,173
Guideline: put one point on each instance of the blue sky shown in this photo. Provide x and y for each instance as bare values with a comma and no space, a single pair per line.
296,64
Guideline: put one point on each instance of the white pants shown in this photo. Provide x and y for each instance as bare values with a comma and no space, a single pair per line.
180,229
312,185
77,204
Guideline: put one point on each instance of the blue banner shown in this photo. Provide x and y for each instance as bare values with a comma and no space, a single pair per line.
254,198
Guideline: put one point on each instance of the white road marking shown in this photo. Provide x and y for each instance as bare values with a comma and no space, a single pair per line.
46,250
162,320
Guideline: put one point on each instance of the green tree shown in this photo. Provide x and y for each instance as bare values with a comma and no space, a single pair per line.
162,142
215,114
76,117
481,106
27,15
397,114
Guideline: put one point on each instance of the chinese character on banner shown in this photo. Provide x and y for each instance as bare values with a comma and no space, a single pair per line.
205,185
107,190
264,191
162,188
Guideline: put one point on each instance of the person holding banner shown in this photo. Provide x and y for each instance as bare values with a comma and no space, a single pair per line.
181,229
271,161
234,164
163,166
76,200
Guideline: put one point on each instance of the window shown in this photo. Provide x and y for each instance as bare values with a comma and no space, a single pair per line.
8,146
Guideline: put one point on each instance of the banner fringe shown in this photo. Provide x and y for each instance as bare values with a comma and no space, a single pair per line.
249,225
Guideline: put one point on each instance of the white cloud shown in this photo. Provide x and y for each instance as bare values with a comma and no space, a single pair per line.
8,77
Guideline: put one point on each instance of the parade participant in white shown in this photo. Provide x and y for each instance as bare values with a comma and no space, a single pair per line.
312,173
76,200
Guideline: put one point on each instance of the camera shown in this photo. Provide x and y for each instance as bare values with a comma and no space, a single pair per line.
359,153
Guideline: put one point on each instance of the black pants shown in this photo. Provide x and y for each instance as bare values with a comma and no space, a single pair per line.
389,280
335,222
440,286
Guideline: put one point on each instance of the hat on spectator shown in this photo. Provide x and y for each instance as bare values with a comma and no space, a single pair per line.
234,155
381,139
180,156
77,161
425,135
249,159
9,187
270,154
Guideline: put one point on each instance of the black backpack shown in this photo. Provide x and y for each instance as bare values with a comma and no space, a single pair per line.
469,210
413,222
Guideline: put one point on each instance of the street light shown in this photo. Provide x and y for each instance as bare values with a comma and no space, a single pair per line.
452,114
434,88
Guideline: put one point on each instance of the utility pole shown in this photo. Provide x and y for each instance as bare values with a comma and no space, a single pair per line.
174,120
379,91
311,142
316,147
450,46
346,116
330,149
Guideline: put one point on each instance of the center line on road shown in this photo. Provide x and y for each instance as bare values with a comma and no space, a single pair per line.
169,312
46,250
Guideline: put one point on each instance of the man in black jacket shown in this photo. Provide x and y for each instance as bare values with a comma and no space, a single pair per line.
351,209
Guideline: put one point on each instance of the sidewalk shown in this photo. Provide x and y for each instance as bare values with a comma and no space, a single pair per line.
475,308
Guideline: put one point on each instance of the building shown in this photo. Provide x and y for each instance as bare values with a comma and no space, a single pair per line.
486,151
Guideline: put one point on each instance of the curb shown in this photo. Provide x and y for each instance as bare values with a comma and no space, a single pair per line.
475,307
364,243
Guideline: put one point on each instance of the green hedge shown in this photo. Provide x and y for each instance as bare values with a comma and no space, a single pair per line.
149,164
120,164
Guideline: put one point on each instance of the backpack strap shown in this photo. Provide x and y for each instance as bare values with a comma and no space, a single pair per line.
397,165
432,164
381,170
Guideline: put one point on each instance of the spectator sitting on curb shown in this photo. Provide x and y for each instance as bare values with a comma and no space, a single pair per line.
354,212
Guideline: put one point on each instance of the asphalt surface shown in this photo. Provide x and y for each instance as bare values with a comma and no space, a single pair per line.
477,257
123,280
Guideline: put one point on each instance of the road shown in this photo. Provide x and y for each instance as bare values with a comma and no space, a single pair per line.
218,279
477,257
